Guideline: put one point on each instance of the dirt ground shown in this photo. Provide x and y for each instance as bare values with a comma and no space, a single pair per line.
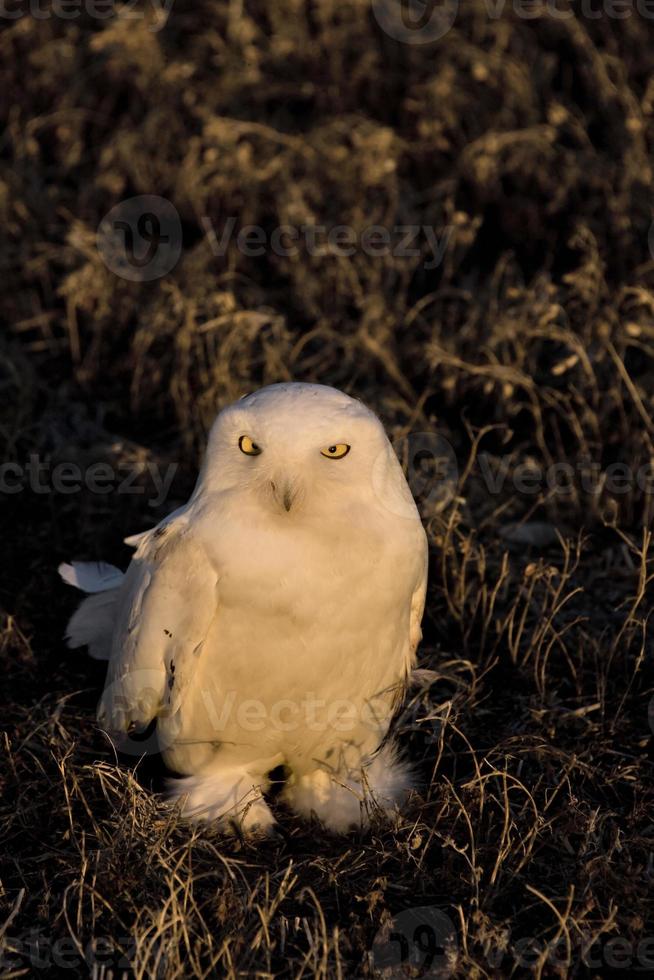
513,335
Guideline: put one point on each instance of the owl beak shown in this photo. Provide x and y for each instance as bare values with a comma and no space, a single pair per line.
284,493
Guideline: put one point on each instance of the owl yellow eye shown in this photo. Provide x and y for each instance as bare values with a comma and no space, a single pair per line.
337,451
248,447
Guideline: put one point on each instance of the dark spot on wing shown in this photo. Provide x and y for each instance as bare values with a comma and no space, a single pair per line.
160,531
168,633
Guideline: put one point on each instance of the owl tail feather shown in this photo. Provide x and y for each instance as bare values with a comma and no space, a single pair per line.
93,623
91,576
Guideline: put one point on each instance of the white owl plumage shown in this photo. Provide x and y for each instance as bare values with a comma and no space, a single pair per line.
274,619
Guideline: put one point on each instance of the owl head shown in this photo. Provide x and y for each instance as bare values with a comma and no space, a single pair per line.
301,449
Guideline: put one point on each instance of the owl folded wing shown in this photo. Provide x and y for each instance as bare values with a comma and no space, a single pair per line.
167,603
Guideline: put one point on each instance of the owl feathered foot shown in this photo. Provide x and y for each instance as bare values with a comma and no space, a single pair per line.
348,798
231,798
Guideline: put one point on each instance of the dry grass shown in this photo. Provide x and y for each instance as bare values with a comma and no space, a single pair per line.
533,342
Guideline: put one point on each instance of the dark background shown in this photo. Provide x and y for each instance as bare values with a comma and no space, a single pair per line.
526,141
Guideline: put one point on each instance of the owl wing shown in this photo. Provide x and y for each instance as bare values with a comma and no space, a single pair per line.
165,608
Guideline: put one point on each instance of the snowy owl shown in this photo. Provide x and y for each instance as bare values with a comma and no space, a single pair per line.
273,620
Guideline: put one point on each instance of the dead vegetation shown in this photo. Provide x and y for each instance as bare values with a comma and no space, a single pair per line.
525,145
